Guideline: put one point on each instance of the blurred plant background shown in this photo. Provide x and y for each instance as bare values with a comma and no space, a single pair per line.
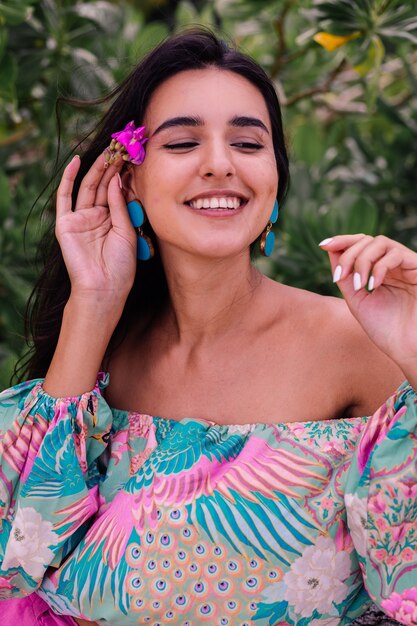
346,74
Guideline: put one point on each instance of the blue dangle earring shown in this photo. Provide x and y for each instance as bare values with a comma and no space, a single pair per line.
145,249
268,237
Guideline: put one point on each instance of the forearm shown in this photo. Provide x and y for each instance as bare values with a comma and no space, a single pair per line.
85,333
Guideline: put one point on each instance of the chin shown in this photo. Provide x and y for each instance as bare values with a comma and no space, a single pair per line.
222,252
216,248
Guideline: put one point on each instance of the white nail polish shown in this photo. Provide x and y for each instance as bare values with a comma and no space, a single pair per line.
326,241
357,283
337,273
371,283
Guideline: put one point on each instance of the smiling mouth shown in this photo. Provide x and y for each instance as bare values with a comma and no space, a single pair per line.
230,203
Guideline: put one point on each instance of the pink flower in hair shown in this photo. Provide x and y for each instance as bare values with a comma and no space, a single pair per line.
402,607
127,144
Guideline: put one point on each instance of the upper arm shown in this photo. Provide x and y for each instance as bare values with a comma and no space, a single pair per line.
372,375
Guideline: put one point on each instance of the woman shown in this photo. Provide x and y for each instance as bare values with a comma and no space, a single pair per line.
219,474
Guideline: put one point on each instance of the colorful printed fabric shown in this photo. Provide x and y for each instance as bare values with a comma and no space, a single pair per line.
125,519
31,611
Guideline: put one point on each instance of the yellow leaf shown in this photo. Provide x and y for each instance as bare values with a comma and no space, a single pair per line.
331,42
374,57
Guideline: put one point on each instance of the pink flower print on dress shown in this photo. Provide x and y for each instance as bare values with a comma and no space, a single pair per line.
408,554
139,424
409,488
127,144
381,554
377,503
402,607
381,524
399,532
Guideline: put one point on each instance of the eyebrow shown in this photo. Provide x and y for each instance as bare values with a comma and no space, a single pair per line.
238,121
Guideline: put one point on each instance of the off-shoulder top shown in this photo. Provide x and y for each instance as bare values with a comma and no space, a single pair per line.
125,518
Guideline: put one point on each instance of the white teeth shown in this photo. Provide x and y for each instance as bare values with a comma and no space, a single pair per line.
216,203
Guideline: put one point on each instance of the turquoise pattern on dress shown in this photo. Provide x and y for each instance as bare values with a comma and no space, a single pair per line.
126,519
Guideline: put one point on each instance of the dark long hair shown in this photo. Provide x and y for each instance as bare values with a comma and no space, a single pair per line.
193,49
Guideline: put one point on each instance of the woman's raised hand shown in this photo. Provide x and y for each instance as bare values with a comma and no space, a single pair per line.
97,240
378,279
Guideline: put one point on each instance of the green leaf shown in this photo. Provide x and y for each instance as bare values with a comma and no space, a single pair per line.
3,40
8,73
15,11
7,363
394,33
105,15
362,217
5,197
307,142
373,58
186,14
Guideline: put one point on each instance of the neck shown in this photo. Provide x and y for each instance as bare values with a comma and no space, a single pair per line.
208,297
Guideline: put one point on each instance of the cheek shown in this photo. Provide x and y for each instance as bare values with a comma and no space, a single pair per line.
158,179
268,173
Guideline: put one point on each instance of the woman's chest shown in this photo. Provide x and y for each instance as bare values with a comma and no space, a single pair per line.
232,388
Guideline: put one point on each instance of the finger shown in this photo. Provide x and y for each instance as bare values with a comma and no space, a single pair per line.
346,259
390,261
101,198
335,246
118,209
87,193
340,242
64,191
378,248
354,296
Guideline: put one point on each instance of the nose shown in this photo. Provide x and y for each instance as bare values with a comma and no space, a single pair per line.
217,161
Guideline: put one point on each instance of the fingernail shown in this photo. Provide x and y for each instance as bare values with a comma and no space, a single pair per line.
337,273
357,283
326,241
76,156
371,283
120,181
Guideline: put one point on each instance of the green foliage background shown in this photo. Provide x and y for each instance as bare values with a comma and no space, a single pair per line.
349,98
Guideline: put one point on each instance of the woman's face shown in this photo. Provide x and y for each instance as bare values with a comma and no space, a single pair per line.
209,179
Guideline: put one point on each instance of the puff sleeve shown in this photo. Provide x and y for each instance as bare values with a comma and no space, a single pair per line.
49,478
381,503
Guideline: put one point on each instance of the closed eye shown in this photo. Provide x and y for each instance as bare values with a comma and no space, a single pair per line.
248,146
184,145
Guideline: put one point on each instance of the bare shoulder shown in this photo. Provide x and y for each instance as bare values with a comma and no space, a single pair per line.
343,353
